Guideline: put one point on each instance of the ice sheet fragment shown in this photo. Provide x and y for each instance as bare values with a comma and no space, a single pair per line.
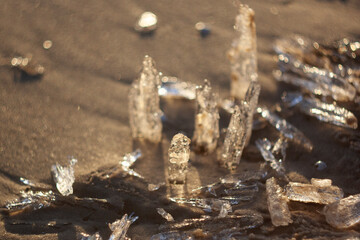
179,154
320,191
120,227
242,54
285,128
277,204
95,236
343,213
175,88
144,104
64,177
206,131
250,103
165,214
128,160
146,23
266,147
235,139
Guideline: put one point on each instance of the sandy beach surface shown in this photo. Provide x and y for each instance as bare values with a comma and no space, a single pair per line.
79,107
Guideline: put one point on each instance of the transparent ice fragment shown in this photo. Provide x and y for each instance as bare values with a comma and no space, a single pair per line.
320,191
266,150
225,209
174,87
154,187
250,103
339,88
235,138
206,132
343,213
285,128
172,235
64,177
128,160
33,199
95,236
207,204
277,204
144,104
179,154
242,54
328,112
165,214
320,165
120,227
146,23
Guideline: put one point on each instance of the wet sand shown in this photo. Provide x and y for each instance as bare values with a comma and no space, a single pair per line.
79,108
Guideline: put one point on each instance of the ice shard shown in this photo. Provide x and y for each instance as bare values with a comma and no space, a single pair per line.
277,204
343,213
165,214
120,227
32,199
128,160
64,177
319,191
285,128
225,209
266,150
144,104
250,103
206,132
95,236
235,139
179,154
338,87
242,54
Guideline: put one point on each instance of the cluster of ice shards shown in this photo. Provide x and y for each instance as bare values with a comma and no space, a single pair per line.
319,191
285,128
235,138
175,88
179,154
120,227
32,199
144,104
277,204
128,160
268,150
323,111
343,213
206,131
242,54
64,177
165,214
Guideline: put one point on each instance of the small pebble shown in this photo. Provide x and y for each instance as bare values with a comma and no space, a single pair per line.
47,44
146,23
203,29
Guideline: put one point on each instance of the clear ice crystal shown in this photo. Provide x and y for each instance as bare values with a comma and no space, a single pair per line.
206,132
319,191
128,160
175,88
95,236
250,103
343,213
338,87
146,23
33,199
154,187
225,209
207,204
165,214
144,104
266,150
242,54
285,128
64,177
235,138
277,204
120,227
327,112
179,154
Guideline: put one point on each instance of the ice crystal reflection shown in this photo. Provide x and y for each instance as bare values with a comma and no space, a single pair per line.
64,177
